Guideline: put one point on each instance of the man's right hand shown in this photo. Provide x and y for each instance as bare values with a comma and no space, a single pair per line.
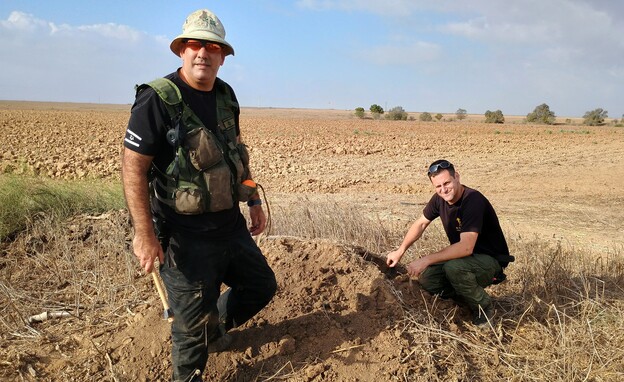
147,248
393,258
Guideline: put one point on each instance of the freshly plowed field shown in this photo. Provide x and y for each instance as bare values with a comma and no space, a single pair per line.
336,317
561,181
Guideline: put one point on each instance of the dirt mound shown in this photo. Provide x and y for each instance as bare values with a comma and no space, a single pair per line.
333,313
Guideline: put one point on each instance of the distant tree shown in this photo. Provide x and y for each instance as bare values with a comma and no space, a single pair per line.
461,114
494,117
438,116
425,117
541,114
396,114
595,117
360,112
376,109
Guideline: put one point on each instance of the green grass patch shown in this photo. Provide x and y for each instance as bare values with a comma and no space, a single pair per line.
563,131
24,197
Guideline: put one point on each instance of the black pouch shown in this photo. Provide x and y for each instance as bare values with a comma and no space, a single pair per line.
499,278
161,231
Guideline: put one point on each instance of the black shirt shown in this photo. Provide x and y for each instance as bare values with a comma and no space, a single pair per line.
146,134
471,213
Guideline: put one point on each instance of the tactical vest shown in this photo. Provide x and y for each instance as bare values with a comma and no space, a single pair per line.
208,168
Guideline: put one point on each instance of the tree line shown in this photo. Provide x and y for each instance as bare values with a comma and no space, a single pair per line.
541,115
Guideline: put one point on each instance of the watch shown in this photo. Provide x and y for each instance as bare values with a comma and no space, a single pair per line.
254,202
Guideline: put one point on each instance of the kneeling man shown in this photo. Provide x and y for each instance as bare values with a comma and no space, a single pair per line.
477,254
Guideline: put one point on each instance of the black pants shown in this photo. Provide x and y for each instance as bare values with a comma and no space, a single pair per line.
193,272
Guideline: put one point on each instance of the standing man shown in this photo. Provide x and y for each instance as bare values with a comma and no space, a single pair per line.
183,170
477,253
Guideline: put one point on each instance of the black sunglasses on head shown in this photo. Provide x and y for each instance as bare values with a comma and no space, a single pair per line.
437,166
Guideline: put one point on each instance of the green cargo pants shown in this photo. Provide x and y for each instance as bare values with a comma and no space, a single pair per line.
462,279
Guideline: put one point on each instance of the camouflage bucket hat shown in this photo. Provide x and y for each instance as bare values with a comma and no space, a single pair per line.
202,25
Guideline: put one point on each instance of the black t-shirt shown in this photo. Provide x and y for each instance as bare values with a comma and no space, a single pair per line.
146,134
471,213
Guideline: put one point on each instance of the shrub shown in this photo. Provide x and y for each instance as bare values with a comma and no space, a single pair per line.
376,109
494,117
595,117
461,114
541,114
360,112
438,116
426,117
397,114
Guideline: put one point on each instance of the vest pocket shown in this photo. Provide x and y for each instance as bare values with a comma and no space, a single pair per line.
219,183
188,201
203,150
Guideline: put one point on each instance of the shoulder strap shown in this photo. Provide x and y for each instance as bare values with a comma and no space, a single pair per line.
225,102
170,94
171,97
167,91
224,95
223,87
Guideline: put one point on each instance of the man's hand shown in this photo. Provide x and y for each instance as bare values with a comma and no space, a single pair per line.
258,220
393,258
147,248
415,268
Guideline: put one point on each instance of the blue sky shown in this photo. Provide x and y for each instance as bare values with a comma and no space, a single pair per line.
435,56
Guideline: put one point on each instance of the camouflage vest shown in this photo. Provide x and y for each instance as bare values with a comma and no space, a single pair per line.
208,168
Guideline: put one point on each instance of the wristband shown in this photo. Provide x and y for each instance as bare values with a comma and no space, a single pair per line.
254,202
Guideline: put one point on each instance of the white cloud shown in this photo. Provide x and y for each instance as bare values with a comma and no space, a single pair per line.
387,7
84,63
591,25
114,31
19,21
481,28
562,21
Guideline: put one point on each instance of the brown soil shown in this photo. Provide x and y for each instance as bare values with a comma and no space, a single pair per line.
337,316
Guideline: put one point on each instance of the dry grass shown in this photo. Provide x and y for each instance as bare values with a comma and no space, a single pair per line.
563,326
67,266
559,316
343,223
